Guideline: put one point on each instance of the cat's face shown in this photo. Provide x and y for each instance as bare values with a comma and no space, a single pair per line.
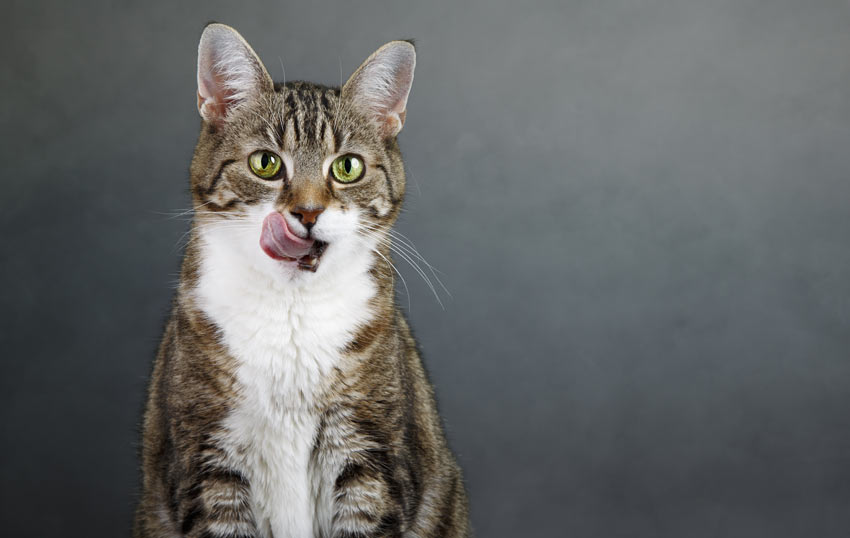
299,178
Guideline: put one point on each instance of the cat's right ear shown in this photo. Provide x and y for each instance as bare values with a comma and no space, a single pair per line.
381,85
229,73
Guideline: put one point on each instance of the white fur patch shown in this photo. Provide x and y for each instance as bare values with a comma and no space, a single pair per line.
286,329
381,205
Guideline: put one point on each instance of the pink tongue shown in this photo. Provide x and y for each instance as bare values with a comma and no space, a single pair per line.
279,242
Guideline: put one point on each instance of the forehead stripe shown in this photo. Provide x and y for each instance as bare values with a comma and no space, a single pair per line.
296,128
307,116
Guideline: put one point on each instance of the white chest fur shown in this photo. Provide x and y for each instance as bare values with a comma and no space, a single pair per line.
286,336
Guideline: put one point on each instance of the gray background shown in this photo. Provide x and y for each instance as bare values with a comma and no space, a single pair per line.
641,208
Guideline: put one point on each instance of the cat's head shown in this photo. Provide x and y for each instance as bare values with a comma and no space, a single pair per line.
294,177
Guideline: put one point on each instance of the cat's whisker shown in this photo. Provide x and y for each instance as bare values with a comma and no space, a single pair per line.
403,239
424,276
403,245
177,213
406,248
406,289
403,242
410,260
179,244
226,224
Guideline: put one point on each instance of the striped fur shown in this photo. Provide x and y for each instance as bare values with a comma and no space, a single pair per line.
287,402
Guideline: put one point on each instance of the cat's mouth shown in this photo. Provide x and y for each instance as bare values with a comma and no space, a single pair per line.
310,261
280,243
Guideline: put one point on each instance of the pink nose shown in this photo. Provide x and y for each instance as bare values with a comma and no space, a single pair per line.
307,215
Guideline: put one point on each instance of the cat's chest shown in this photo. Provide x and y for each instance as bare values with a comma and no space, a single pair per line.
285,345
285,339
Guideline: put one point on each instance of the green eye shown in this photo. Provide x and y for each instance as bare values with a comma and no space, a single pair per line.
265,164
348,168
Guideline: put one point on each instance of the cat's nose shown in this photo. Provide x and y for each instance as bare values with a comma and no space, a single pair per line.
307,215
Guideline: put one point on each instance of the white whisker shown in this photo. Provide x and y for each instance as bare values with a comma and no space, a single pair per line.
182,212
406,289
406,244
408,254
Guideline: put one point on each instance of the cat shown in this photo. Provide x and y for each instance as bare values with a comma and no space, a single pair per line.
288,398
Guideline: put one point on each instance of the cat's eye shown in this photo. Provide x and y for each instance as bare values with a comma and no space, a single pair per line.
265,164
348,168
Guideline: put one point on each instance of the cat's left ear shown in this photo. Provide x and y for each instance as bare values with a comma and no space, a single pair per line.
381,85
229,72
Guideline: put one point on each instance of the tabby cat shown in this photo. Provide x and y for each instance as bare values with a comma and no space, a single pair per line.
288,398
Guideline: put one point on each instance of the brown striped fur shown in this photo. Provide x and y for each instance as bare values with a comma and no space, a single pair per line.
376,409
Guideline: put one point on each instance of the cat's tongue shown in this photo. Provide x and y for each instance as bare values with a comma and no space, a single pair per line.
278,241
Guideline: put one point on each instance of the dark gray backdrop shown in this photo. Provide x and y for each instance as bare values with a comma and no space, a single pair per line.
641,209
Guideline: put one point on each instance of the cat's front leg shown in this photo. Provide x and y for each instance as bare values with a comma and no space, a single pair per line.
217,506
368,502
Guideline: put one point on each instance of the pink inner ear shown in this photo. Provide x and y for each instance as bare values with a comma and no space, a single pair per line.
382,84
229,72
393,108
390,123
212,104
